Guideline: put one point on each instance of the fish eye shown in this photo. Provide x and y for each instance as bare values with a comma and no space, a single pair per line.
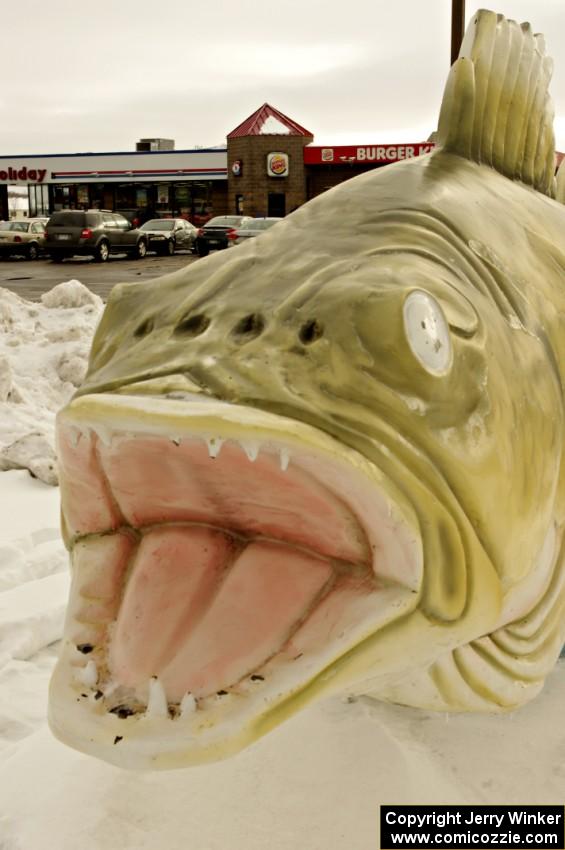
427,332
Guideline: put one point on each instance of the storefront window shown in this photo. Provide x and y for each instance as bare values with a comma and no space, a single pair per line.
192,201
202,209
181,206
163,205
133,199
64,197
127,196
38,200
141,199
83,196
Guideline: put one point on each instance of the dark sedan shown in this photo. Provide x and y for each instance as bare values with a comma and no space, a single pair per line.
167,235
216,233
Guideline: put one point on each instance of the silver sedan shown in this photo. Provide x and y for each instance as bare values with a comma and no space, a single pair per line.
251,228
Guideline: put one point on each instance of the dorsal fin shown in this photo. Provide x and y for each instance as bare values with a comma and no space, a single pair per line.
496,108
560,183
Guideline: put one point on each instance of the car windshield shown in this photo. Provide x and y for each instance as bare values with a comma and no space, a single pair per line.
21,226
158,224
224,221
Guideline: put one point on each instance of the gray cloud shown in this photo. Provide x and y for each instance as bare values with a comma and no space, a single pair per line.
101,77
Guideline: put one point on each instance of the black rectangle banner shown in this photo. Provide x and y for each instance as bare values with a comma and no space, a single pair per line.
447,827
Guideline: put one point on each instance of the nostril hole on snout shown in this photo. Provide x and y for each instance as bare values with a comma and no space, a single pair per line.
250,326
192,325
310,331
144,328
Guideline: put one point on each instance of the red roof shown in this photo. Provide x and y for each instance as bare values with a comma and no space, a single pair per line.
259,124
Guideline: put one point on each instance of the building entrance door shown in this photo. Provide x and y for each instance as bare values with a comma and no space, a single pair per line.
277,204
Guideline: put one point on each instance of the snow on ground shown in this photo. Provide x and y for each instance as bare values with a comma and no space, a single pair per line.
315,783
43,355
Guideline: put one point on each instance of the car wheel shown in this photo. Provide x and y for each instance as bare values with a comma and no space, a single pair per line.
102,252
57,257
170,249
33,251
202,249
140,249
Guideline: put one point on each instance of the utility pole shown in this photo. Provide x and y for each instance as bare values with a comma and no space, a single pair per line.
457,27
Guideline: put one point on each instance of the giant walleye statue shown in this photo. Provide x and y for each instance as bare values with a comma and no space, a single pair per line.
331,460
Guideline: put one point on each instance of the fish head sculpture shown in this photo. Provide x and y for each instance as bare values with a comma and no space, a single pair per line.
331,460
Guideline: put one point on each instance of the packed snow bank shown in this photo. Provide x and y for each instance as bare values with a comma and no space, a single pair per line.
34,579
316,782
28,511
32,617
23,690
34,576
43,357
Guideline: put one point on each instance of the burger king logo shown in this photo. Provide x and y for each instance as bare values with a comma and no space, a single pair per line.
277,164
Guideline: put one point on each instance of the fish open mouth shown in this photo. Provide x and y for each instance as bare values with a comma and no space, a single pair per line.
224,561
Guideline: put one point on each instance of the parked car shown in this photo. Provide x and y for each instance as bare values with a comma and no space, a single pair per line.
165,235
251,228
97,233
214,234
24,237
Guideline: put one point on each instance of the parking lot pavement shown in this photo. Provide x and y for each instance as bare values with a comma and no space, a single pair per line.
31,278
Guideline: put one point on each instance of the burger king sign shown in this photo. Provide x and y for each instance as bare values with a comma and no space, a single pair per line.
277,164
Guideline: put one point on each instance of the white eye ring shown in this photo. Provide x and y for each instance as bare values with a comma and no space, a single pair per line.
427,332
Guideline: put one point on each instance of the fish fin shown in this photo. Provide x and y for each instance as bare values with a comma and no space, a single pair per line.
481,676
496,108
560,183
499,671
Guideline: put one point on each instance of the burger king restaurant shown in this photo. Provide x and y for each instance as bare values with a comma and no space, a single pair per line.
269,166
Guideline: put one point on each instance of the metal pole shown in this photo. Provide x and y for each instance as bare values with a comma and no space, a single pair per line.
457,27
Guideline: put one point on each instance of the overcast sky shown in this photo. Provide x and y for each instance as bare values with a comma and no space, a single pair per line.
99,76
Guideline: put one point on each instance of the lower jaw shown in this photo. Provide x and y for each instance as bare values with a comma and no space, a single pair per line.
85,696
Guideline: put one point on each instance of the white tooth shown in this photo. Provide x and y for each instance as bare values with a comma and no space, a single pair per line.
285,458
214,445
104,434
110,689
74,436
188,705
251,450
157,704
88,675
175,440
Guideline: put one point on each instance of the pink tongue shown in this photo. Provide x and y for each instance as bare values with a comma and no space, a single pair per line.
201,614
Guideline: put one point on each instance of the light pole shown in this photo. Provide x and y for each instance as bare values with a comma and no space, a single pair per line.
457,27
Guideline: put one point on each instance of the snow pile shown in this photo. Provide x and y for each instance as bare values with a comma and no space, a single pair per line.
70,294
34,579
43,357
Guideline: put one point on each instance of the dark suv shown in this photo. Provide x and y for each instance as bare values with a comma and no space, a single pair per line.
96,233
